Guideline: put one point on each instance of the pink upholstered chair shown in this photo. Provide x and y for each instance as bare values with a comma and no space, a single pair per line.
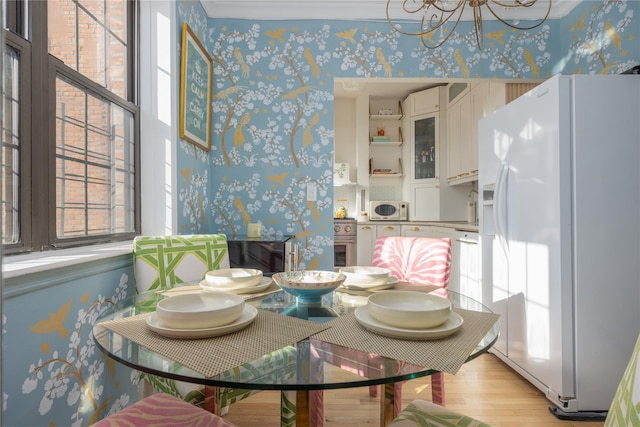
419,260
162,409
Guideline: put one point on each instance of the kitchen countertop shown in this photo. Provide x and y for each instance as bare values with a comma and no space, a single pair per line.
457,225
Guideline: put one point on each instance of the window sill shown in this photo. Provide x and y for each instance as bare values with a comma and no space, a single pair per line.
20,265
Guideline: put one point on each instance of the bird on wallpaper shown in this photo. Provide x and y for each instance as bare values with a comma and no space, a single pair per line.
278,178
307,136
388,72
464,70
238,135
246,72
294,93
348,35
429,36
315,70
314,210
54,323
186,173
535,71
579,25
613,34
246,218
496,35
276,34
228,91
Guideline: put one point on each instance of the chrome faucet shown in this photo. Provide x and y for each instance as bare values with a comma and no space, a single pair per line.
293,258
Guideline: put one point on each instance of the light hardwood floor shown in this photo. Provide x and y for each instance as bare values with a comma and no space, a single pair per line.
484,388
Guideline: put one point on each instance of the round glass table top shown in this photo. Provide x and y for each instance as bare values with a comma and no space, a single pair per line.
281,370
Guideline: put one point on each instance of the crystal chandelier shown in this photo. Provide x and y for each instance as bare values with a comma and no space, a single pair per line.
434,14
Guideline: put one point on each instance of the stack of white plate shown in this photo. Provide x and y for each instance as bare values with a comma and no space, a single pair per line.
235,280
368,278
202,314
409,315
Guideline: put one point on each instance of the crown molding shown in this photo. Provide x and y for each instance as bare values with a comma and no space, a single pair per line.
344,9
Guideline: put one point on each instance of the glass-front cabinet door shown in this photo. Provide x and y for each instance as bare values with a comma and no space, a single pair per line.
424,148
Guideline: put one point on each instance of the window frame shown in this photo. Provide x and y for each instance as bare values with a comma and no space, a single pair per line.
38,128
23,48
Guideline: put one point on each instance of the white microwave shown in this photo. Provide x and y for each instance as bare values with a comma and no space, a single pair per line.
389,211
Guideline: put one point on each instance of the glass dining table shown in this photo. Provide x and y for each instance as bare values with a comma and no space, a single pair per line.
303,377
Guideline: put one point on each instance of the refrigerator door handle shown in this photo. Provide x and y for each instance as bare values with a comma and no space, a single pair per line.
499,208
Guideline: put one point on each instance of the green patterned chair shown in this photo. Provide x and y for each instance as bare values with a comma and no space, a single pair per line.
162,262
625,408
623,412
422,413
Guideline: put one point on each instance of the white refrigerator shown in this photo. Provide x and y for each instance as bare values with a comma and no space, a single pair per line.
559,224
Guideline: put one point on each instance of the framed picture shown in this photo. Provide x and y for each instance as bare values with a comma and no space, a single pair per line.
196,76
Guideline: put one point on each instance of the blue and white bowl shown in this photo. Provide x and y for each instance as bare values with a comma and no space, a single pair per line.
309,286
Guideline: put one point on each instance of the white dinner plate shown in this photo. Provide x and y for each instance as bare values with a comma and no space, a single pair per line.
265,282
248,315
447,328
392,281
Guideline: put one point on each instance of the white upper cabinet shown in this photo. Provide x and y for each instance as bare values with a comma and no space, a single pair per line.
456,91
425,147
425,101
467,105
423,185
458,138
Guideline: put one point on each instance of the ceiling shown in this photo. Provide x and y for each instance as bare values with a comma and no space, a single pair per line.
348,9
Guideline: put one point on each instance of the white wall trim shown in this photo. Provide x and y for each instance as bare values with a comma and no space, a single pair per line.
37,262
158,121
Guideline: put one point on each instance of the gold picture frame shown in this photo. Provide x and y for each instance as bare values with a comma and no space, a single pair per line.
196,77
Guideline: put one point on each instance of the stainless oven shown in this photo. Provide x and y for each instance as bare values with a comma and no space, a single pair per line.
344,242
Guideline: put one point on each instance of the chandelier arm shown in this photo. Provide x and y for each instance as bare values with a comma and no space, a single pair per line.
405,6
440,5
435,14
428,24
444,39
514,4
477,20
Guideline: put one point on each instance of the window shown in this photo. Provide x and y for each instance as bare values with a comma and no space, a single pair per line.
70,124
11,148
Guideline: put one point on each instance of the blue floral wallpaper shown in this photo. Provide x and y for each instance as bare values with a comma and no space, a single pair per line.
272,136
52,372
273,103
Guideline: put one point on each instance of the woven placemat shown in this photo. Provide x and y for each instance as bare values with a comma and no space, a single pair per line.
211,356
446,354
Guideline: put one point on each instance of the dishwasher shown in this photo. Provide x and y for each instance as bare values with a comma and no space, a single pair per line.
466,271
